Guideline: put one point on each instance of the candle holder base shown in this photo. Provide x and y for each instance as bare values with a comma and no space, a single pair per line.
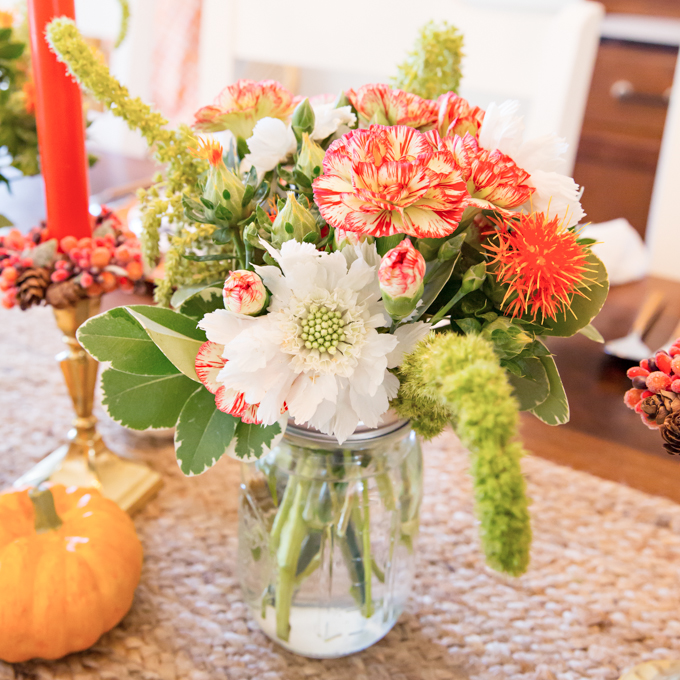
128,484
85,460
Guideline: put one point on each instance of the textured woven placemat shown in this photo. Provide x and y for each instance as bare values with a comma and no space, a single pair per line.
602,594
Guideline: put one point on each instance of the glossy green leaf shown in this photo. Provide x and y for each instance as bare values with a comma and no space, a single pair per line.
592,333
143,402
533,387
584,308
555,409
254,440
200,304
119,339
175,335
203,434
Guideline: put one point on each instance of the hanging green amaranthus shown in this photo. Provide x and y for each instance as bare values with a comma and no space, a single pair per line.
459,378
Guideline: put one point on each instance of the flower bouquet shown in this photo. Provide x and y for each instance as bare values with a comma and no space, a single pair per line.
362,268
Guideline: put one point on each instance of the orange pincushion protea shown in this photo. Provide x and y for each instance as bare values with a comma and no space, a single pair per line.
210,150
382,105
541,261
390,180
239,106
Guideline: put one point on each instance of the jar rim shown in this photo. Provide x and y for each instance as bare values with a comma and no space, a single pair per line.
361,434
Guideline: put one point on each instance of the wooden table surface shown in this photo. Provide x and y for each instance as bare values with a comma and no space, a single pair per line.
603,436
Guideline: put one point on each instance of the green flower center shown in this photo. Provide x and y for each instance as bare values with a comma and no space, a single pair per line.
322,329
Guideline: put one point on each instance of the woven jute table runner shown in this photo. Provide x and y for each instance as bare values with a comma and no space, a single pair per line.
602,593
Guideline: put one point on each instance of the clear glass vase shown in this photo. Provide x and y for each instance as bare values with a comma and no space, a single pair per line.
327,537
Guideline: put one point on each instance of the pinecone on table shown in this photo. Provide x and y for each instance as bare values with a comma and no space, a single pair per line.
64,294
670,431
659,406
31,286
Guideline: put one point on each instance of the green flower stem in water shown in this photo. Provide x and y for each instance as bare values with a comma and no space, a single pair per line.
293,534
366,534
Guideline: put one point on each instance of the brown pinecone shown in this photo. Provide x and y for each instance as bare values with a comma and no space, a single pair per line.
670,432
64,294
31,286
659,406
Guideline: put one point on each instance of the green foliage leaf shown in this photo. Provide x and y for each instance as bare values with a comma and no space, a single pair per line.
436,281
583,309
254,440
592,333
533,387
203,434
555,409
202,303
175,335
143,402
4,222
185,292
117,337
12,50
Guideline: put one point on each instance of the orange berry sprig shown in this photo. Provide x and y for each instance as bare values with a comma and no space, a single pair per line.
656,386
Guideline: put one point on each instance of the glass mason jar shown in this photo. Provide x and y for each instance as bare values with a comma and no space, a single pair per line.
327,537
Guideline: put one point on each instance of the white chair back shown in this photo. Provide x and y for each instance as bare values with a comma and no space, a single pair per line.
541,54
663,225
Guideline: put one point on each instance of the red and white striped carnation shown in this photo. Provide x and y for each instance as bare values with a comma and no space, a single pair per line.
456,116
209,362
493,179
239,106
244,293
391,180
402,271
381,104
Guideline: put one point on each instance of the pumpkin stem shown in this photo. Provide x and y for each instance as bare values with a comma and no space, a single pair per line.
46,518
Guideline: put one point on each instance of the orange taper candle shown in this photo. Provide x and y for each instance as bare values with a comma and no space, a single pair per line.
61,132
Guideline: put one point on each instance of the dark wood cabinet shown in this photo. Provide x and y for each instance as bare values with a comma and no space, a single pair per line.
624,121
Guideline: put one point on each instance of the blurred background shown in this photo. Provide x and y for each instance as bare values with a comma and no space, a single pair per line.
599,74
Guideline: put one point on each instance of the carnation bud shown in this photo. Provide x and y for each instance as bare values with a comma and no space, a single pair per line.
294,221
310,160
244,293
303,119
224,188
342,238
401,276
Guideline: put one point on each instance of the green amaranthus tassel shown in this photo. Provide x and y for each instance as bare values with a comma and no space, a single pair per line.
460,378
170,147
433,67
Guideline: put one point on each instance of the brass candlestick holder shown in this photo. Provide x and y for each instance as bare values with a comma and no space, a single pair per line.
85,460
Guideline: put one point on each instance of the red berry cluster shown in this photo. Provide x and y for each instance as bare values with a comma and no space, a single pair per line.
110,259
15,257
659,374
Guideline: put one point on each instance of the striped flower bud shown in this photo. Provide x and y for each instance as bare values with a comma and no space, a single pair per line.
244,293
401,276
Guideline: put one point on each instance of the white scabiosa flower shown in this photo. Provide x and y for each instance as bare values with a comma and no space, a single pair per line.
542,157
272,143
317,351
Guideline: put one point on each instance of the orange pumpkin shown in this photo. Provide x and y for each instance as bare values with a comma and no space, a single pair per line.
70,561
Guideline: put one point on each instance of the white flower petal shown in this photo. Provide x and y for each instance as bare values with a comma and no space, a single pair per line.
223,326
328,119
556,195
271,143
502,128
